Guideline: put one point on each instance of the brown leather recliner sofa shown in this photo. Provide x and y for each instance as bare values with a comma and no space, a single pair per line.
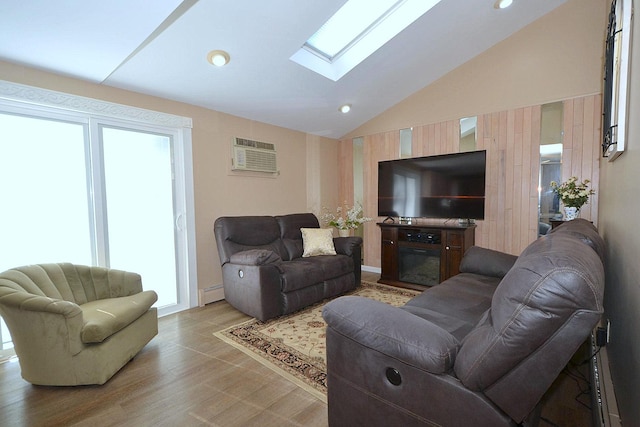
264,273
480,349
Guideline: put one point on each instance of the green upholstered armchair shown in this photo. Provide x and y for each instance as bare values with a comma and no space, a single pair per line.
74,324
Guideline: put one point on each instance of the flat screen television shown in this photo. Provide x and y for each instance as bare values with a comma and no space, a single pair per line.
445,186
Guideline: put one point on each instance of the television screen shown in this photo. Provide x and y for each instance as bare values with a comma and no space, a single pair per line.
445,186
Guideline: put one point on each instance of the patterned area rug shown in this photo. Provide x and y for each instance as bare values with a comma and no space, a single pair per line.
294,345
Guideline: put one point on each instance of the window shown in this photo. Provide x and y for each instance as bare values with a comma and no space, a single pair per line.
355,31
44,189
345,27
616,79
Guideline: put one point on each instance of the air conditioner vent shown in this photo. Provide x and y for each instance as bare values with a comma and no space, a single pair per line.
255,144
254,156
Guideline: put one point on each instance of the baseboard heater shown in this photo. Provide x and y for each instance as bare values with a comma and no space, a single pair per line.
210,294
604,406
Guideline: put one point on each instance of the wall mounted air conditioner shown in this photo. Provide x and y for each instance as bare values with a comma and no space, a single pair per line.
254,156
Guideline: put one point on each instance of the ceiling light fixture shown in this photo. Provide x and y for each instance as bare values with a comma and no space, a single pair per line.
345,108
502,4
218,58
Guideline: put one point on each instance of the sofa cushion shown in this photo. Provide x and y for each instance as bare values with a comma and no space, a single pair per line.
553,281
105,317
317,241
237,234
303,272
457,304
585,231
290,234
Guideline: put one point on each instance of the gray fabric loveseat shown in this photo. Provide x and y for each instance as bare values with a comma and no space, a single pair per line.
265,273
480,349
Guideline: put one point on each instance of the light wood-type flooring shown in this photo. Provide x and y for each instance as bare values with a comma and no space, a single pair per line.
187,377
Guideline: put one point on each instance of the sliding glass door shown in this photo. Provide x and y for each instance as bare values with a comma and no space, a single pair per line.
44,214
139,207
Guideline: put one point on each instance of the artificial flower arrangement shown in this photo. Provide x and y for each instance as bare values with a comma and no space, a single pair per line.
352,219
572,193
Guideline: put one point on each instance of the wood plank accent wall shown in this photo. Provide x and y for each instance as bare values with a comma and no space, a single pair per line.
381,146
439,138
345,166
581,148
512,141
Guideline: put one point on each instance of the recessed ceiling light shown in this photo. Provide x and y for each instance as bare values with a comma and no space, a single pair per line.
502,4
218,58
345,108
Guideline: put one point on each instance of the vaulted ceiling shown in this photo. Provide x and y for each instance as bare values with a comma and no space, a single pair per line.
160,47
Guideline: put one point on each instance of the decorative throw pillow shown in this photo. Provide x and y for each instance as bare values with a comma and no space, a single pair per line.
317,241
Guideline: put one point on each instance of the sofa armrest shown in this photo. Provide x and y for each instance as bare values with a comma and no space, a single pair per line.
253,289
31,302
346,245
393,331
487,262
255,257
41,323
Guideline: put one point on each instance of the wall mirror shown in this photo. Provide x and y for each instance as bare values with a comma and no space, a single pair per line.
468,137
358,176
406,148
551,134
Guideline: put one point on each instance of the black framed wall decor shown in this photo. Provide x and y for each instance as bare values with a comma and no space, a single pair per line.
616,76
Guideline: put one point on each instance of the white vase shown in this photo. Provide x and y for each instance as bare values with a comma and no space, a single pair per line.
571,212
344,233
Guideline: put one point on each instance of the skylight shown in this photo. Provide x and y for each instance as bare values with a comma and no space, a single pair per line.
348,24
355,31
